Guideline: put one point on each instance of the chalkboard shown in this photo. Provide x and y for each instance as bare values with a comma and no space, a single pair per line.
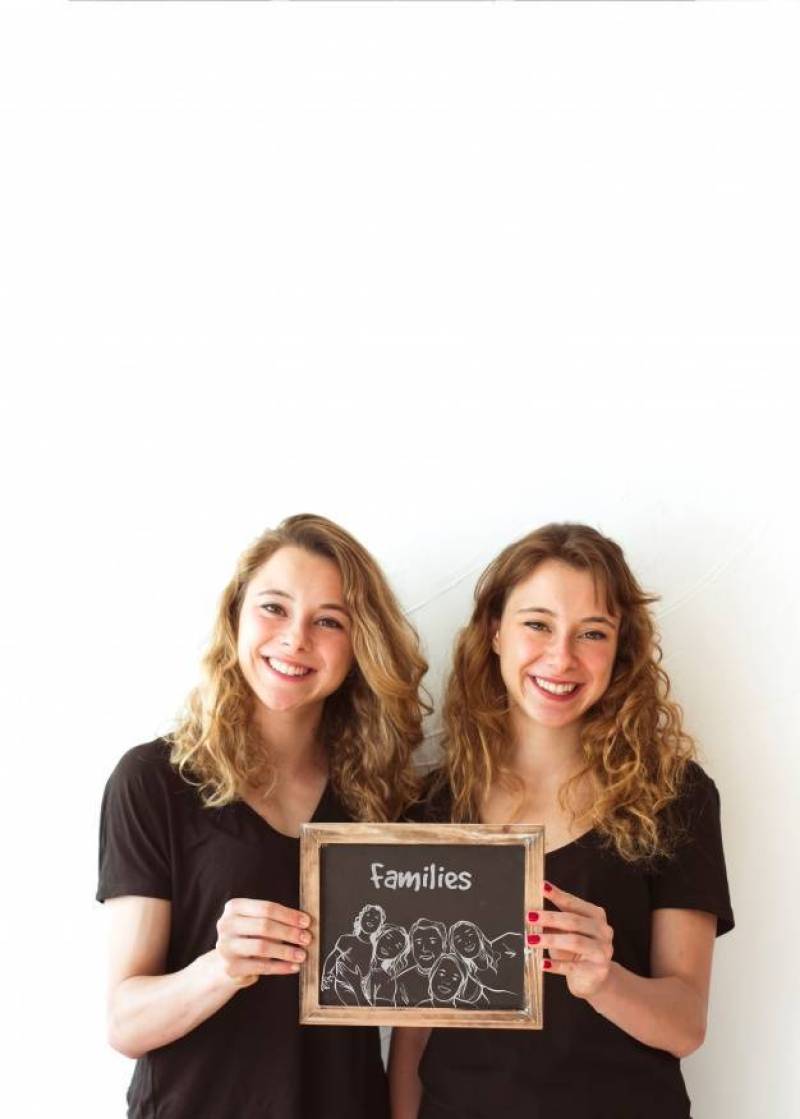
421,924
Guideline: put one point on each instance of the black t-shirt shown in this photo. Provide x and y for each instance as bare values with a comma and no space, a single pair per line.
251,1059
580,1064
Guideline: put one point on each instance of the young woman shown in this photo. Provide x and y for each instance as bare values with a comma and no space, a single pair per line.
309,709
348,965
389,958
558,713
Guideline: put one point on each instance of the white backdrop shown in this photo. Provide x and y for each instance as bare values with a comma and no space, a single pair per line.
442,273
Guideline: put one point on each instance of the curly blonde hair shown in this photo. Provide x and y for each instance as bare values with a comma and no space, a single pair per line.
635,750
370,725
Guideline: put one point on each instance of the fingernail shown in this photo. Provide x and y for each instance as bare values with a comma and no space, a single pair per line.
533,938
295,967
546,964
299,955
548,889
533,918
304,922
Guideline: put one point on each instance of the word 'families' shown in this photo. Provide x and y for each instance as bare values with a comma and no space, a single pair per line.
432,877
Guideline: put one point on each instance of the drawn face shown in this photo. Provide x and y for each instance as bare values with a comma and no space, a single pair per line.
445,979
466,941
390,944
556,642
427,946
371,920
293,641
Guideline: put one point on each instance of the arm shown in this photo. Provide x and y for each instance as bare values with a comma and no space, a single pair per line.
148,1009
405,1089
328,967
667,1010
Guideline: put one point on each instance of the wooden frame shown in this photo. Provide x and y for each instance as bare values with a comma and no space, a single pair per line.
316,839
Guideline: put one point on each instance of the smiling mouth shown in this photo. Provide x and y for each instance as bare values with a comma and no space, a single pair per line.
286,670
554,689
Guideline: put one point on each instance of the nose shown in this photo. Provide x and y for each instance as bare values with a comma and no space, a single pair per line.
295,634
560,655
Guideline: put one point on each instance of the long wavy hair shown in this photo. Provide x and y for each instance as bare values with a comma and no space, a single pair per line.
370,725
635,750
484,958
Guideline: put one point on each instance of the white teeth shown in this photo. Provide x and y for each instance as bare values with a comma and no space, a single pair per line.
287,669
555,689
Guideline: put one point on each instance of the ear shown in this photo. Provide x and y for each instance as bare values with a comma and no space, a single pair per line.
496,640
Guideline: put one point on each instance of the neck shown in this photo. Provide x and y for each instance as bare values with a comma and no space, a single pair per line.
544,756
292,739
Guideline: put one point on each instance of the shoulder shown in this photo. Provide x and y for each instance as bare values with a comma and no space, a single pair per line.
146,764
697,796
145,774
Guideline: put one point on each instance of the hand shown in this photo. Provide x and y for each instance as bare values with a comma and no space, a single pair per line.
257,938
579,941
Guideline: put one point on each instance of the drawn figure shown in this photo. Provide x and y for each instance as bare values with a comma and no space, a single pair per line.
348,964
483,958
508,950
391,947
446,983
428,942
474,949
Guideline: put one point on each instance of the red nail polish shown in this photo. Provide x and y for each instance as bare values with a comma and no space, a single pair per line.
533,918
533,938
548,889
546,964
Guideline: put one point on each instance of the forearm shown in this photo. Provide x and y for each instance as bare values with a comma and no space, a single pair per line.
665,1013
147,1011
405,1087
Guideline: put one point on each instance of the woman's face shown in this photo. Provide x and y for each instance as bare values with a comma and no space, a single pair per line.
556,643
371,920
427,945
445,979
294,644
466,941
390,944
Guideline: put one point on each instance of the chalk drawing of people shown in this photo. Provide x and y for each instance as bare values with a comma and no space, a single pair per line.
391,948
482,960
446,983
347,965
428,942
509,952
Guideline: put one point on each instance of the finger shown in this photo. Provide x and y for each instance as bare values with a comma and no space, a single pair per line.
265,927
564,967
257,948
248,971
586,947
570,902
565,921
253,907
555,954
557,967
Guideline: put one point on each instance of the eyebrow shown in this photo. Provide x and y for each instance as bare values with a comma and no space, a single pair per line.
322,606
543,610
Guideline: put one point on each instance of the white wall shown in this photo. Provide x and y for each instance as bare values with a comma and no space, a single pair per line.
441,273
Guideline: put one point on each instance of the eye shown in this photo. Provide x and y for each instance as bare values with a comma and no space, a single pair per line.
537,626
330,623
596,635
272,608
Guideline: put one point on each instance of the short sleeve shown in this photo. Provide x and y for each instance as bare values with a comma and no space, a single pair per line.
134,827
694,877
